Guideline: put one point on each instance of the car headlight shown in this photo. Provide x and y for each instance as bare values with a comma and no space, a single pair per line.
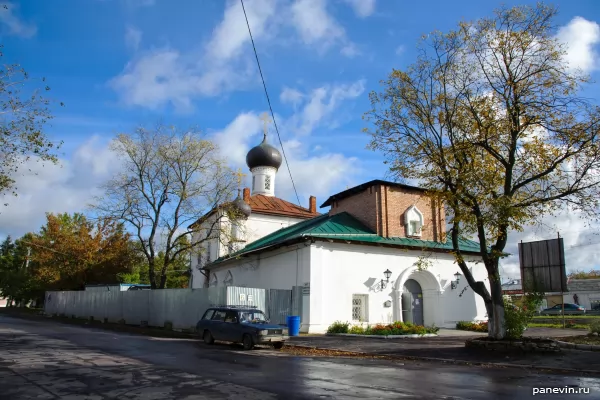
284,331
264,332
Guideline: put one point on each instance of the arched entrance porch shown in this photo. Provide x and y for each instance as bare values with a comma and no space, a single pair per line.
417,297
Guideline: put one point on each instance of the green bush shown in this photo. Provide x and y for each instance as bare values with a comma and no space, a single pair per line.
357,330
595,328
518,316
338,327
395,328
472,326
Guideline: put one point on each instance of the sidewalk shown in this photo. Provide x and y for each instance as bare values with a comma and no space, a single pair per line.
449,346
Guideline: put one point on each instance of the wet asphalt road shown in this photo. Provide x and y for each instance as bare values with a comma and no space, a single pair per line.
48,360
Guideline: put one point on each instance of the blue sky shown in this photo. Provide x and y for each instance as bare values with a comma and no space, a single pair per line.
120,63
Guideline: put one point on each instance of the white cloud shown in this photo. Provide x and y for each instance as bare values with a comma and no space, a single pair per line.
581,37
318,28
362,8
67,187
164,76
15,25
317,111
291,96
333,169
320,104
133,38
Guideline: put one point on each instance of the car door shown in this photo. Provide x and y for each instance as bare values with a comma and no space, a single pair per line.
231,327
216,325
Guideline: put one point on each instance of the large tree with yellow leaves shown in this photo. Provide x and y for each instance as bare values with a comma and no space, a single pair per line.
490,119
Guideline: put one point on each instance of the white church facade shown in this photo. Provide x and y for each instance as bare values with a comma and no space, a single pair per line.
379,255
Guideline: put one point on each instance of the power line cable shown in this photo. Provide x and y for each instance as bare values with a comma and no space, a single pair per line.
269,101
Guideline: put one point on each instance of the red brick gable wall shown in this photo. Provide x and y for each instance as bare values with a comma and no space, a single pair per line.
382,208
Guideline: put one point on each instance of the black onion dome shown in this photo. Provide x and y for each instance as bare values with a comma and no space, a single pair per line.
263,155
242,206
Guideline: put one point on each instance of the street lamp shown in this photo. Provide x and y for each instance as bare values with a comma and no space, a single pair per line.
454,284
383,284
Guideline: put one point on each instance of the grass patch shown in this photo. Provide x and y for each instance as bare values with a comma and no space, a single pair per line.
583,339
567,317
558,325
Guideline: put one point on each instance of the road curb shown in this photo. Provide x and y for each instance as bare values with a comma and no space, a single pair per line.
576,346
453,361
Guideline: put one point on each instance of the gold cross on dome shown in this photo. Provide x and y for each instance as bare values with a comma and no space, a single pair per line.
239,175
266,121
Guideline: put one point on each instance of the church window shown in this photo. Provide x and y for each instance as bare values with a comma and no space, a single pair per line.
413,219
359,307
267,182
254,183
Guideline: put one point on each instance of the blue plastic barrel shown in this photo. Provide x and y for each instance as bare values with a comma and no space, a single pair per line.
293,323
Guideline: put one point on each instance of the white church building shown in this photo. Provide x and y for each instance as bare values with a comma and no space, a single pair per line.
378,255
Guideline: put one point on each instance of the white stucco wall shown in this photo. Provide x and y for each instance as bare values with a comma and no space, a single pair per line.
279,269
337,271
340,270
260,225
252,229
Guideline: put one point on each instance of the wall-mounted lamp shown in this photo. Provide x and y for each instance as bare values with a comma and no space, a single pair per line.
383,284
454,284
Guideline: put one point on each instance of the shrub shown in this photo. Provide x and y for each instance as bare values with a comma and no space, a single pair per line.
338,327
517,317
357,330
472,326
595,327
395,328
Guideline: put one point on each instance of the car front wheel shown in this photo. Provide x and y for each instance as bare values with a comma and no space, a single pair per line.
247,342
277,345
208,339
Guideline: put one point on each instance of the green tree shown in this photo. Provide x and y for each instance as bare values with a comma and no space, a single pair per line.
489,119
171,179
22,120
71,251
17,275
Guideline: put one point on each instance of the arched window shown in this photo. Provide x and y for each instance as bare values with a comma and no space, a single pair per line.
214,281
413,219
228,281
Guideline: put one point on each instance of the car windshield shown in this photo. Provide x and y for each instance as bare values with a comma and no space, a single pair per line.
252,316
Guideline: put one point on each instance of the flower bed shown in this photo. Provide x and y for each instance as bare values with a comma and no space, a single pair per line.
394,329
472,326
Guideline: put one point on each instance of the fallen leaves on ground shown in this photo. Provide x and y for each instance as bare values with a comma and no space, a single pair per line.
313,352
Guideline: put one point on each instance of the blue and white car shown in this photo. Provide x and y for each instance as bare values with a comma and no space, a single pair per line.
248,326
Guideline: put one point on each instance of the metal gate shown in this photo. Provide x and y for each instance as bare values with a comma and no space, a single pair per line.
282,302
279,305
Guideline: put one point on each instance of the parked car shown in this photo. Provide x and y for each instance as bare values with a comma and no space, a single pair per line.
570,309
245,325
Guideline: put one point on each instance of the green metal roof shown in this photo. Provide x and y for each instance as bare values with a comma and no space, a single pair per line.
345,227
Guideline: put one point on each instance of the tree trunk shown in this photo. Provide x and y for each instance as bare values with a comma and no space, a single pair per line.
495,309
151,275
